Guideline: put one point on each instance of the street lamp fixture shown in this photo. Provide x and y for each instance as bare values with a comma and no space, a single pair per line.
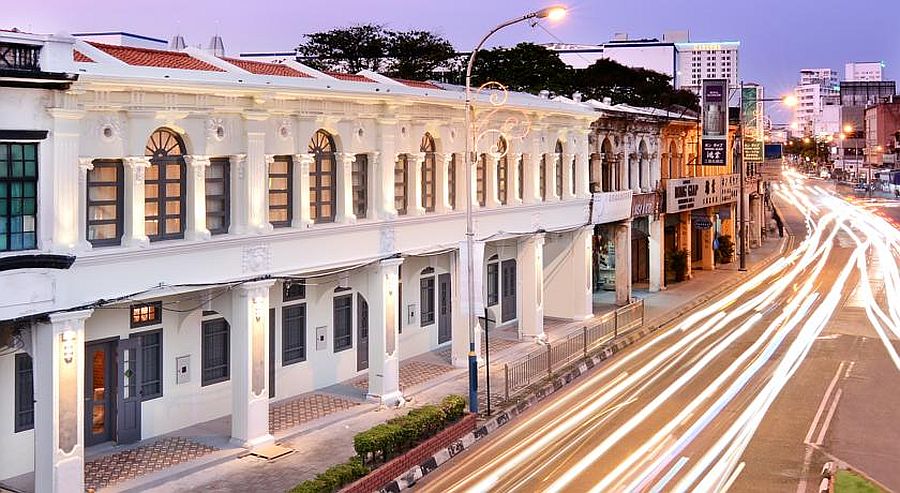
790,101
848,128
553,13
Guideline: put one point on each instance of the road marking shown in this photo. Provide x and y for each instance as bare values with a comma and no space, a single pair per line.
733,477
834,403
815,421
849,369
669,475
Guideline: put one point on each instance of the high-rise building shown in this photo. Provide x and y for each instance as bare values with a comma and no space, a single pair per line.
863,71
687,63
818,88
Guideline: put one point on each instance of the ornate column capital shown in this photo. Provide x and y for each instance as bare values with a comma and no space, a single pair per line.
195,160
305,160
270,159
348,158
446,157
137,161
418,157
85,164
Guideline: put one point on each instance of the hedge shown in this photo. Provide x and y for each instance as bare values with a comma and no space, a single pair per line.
402,433
334,478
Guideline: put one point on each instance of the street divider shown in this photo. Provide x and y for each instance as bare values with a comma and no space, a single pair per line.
576,345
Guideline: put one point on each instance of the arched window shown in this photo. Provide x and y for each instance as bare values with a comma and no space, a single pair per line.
322,178
164,183
502,172
607,166
401,175
480,179
429,171
559,168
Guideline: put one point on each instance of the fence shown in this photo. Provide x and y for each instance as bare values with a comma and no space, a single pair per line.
578,344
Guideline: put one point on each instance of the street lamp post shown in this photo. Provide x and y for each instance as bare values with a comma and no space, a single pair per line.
553,13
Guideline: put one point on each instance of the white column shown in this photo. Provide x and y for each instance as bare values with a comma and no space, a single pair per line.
513,191
84,165
65,198
135,170
582,269
250,364
708,258
375,192
472,169
623,262
530,280
490,184
384,353
269,160
442,188
655,171
239,192
582,180
344,188
257,181
531,189
196,198
302,214
460,349
552,162
568,190
59,403
414,184
657,253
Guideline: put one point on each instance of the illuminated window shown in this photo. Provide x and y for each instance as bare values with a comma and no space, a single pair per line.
145,314
164,184
105,202
281,186
429,170
18,196
322,178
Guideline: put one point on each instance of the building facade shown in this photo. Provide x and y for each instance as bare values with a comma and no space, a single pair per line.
199,236
817,92
863,71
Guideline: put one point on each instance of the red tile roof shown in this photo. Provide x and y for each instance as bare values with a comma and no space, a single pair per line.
263,68
81,57
349,77
421,84
147,57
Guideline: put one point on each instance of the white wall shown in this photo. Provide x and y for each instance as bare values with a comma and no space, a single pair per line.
16,449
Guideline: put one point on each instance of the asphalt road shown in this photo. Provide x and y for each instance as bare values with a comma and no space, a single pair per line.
725,398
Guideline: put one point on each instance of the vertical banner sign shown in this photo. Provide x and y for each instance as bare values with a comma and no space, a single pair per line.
715,122
751,122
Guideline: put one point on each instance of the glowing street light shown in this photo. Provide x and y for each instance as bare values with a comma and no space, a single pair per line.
848,129
790,100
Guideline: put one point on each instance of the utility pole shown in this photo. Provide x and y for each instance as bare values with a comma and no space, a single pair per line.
739,162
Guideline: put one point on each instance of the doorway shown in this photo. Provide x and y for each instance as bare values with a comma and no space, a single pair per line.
508,293
99,392
362,333
445,310
272,353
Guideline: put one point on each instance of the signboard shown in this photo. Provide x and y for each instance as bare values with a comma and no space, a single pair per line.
751,125
645,204
714,152
714,107
701,222
773,151
695,193
609,207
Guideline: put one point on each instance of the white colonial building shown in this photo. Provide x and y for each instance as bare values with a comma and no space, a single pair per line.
185,237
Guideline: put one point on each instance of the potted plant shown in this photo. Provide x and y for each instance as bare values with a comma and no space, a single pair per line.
725,252
677,262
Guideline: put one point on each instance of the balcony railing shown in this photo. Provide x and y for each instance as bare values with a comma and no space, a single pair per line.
20,57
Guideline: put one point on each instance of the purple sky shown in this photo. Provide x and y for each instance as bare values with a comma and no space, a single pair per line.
778,38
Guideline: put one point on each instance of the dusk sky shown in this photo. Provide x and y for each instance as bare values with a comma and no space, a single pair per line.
778,38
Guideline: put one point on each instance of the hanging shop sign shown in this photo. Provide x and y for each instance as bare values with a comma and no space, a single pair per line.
686,194
751,125
715,122
701,221
725,212
645,204
609,207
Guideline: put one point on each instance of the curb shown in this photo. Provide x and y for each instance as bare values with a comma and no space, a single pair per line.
414,474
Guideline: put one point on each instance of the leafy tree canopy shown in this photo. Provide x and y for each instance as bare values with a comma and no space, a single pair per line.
525,67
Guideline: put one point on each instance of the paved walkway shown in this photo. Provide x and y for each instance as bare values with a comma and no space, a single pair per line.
319,426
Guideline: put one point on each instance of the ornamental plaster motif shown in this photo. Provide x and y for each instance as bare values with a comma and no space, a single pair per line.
286,129
215,129
256,258
388,240
140,165
109,129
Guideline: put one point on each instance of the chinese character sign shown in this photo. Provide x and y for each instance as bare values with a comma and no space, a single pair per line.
715,122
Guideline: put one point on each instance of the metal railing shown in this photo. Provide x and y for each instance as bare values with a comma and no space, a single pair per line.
20,57
576,345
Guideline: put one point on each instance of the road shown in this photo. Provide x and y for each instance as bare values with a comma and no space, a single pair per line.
704,404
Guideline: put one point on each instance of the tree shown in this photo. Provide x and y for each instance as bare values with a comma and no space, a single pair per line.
634,86
350,49
525,67
416,54
403,54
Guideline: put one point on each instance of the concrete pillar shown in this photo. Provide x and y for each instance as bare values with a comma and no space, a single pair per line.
582,181
59,403
460,346
513,197
257,183
568,178
302,213
746,223
135,171
491,200
657,252
552,162
84,166
531,188
687,230
384,353
623,262
344,213
414,184
755,222
63,237
195,225
708,257
567,276
239,190
530,280
442,188
250,364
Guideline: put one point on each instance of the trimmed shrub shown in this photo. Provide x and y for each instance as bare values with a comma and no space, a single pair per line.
454,407
334,478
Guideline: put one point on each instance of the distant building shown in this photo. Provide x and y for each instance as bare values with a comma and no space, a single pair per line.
818,88
882,133
863,71
863,93
688,63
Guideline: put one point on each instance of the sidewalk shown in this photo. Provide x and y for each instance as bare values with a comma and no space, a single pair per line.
322,439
